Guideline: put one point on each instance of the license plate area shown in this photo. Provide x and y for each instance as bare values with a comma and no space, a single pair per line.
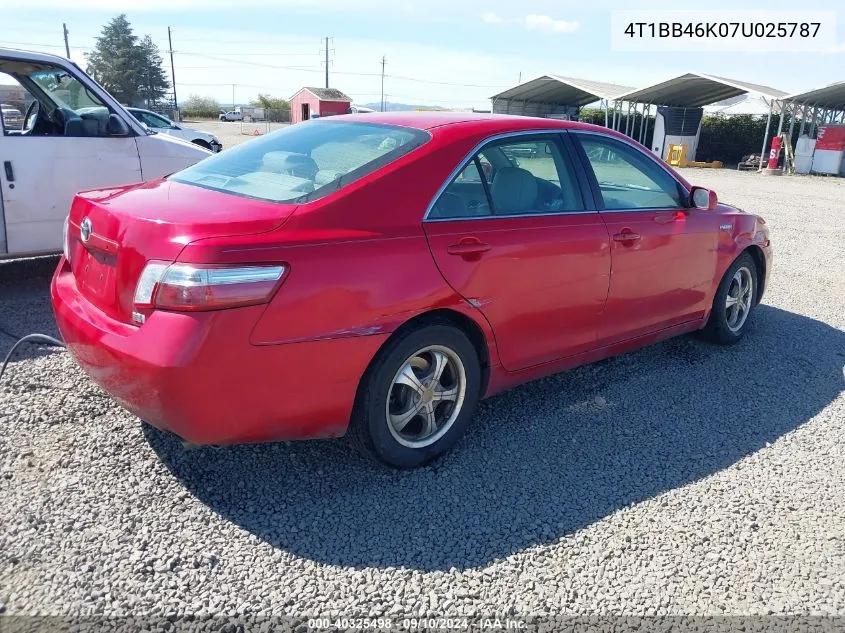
95,276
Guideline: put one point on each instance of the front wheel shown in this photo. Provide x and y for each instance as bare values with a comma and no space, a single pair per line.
734,303
418,397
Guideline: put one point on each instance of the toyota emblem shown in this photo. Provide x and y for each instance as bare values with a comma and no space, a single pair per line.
85,229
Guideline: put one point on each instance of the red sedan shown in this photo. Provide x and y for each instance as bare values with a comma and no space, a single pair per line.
377,275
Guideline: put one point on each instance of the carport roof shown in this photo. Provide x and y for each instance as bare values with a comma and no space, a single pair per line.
832,96
692,90
562,90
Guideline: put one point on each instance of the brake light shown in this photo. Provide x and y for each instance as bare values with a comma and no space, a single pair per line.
197,287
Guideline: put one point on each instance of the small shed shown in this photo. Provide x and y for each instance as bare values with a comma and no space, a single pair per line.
320,101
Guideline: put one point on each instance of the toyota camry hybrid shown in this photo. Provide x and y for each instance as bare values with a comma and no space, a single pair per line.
376,275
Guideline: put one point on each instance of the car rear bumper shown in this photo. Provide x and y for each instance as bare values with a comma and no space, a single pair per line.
198,376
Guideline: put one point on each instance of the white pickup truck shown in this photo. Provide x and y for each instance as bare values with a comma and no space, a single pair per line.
231,115
74,136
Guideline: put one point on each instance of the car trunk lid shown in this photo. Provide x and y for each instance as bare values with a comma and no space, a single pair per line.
113,233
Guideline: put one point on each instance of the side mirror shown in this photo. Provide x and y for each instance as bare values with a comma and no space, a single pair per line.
116,126
704,198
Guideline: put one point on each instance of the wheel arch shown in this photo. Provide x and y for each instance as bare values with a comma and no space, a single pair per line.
760,262
447,316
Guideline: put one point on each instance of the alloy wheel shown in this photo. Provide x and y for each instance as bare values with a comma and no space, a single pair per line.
739,298
426,396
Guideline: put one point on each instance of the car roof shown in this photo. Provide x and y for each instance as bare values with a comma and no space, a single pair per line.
477,121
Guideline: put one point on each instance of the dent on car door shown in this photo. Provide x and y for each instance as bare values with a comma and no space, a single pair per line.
521,245
663,252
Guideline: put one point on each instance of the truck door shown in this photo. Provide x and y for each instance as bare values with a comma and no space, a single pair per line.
64,144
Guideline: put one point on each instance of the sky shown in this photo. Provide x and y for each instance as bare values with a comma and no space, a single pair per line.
451,53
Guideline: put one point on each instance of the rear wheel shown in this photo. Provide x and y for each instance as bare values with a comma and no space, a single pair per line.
418,396
734,303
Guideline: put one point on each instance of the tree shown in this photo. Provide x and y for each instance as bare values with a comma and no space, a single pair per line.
203,107
116,60
275,108
129,69
154,84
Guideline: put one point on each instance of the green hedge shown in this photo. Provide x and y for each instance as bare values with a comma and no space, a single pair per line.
722,138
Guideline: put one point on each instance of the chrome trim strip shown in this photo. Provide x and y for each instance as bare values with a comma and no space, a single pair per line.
642,210
515,215
462,165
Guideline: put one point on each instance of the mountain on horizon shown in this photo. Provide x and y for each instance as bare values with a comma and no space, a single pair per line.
391,106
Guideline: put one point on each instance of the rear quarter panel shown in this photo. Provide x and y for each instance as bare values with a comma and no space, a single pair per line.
359,259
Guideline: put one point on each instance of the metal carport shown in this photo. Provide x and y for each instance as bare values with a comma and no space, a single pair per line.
695,90
830,99
552,95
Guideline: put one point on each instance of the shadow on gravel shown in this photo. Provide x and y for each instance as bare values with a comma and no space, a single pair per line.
25,305
539,462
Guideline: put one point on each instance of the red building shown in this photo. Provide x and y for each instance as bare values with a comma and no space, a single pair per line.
320,101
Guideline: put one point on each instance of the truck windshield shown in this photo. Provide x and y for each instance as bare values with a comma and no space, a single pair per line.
65,90
303,162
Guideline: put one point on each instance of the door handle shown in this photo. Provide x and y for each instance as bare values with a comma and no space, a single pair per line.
627,236
10,174
468,248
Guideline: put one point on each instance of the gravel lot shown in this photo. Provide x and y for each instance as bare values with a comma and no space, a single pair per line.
682,479
232,133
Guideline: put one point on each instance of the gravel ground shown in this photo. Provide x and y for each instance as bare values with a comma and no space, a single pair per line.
232,133
681,479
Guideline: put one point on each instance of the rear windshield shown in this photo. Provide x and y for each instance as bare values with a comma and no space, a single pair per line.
303,162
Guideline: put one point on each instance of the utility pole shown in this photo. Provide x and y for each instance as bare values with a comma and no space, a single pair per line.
520,77
173,74
67,46
327,62
233,96
383,61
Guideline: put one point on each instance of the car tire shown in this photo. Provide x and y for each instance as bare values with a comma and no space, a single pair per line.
734,303
408,426
203,144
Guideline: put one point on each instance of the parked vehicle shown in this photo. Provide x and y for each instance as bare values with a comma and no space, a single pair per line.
159,123
74,136
312,282
254,113
12,117
231,115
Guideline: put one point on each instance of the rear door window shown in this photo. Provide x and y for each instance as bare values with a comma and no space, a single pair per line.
522,175
303,162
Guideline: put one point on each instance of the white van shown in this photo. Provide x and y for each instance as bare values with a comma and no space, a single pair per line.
74,136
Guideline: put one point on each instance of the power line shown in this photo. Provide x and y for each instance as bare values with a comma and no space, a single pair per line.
236,61
264,54
44,45
316,45
444,83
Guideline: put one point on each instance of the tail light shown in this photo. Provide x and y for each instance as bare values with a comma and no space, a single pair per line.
192,287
